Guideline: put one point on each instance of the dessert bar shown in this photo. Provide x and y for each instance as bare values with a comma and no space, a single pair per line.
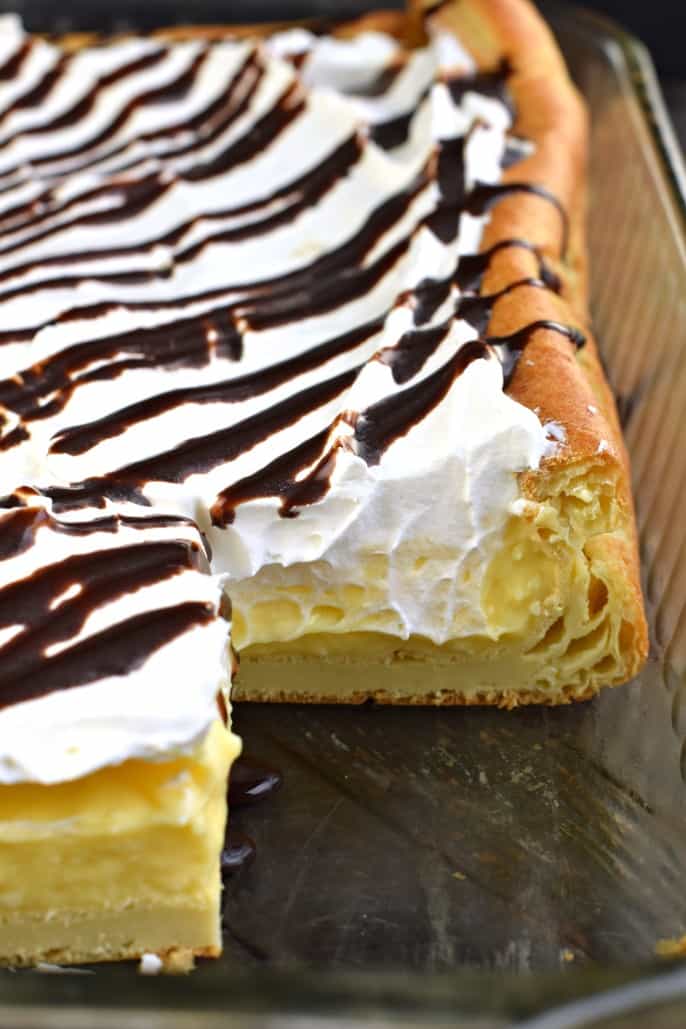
295,323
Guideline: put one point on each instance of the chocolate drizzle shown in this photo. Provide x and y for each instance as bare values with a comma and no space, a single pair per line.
491,83
510,347
472,267
483,197
12,66
115,651
383,423
477,310
250,782
51,605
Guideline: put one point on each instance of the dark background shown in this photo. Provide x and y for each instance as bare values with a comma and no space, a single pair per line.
661,24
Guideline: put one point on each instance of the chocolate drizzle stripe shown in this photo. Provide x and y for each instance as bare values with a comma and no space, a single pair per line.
208,124
201,454
276,479
102,576
349,254
85,104
482,198
79,439
13,65
38,93
510,348
389,419
297,195
116,651
175,89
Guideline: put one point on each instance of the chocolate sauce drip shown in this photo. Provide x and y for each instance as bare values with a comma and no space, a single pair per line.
18,531
427,297
12,66
516,150
510,348
116,651
477,310
13,438
277,479
39,93
484,196
392,133
239,850
445,220
412,351
298,60
492,84
472,267
251,781
394,416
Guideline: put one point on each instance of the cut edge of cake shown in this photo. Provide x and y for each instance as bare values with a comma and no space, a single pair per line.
577,510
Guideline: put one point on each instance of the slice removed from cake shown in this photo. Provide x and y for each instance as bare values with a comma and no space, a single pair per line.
114,758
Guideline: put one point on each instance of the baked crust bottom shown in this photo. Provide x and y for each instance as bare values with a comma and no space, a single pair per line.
121,863
95,937
401,680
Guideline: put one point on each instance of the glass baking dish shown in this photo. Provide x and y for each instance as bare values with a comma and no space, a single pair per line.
417,862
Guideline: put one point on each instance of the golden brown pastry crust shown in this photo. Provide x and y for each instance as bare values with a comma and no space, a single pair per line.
560,385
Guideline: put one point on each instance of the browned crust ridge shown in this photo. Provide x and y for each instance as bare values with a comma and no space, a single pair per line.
560,384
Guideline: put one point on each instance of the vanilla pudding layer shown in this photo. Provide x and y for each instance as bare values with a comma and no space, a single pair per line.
122,862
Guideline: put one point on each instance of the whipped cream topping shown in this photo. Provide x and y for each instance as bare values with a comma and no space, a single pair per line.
233,284
111,642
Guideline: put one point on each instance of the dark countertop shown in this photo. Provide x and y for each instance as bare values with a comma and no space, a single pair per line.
675,95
